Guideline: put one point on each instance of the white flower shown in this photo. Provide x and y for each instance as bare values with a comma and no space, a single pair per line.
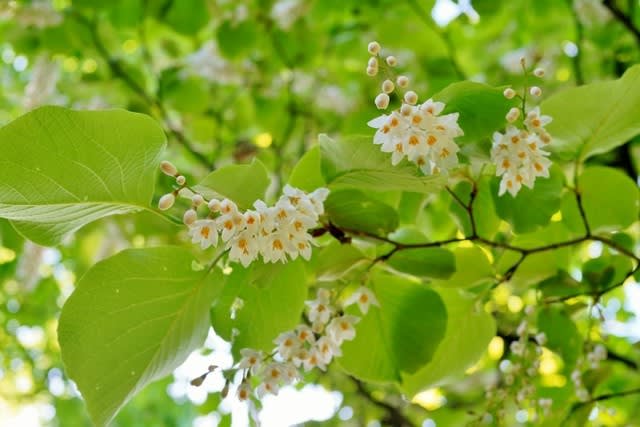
536,122
305,334
519,155
267,387
421,134
341,328
314,360
290,373
286,12
231,221
327,349
243,247
364,297
300,356
273,372
275,247
319,311
288,343
251,359
244,391
204,232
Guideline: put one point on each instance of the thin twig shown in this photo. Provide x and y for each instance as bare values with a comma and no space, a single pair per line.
622,18
394,417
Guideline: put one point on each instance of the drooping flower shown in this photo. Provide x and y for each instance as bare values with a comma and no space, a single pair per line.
364,297
204,232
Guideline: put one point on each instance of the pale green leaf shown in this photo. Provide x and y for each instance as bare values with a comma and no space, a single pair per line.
259,303
354,210
244,184
61,169
472,268
595,118
132,319
469,331
357,163
306,174
434,263
399,336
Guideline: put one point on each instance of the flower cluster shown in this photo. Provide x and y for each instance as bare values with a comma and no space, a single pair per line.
597,354
519,154
274,232
304,348
416,131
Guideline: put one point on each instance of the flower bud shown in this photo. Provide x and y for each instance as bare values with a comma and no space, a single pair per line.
541,338
225,390
181,180
402,81
166,201
411,97
214,205
509,93
388,86
371,71
513,115
535,91
197,199
405,110
168,168
382,101
392,61
373,48
529,310
189,217
373,63
538,72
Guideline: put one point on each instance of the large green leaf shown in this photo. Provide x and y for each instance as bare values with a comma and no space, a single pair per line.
469,331
595,118
610,198
531,208
354,210
336,260
132,319
472,268
244,184
357,163
563,336
260,302
306,174
61,169
399,336
434,263
482,108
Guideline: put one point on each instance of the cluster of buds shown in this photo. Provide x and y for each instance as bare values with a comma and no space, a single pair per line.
276,233
597,354
304,348
416,131
519,153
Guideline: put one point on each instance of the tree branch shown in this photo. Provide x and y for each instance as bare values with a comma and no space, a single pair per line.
394,417
622,18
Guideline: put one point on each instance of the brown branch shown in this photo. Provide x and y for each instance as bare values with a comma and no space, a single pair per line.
622,18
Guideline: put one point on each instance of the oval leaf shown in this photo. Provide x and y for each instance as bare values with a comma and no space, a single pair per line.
132,319
62,169
353,210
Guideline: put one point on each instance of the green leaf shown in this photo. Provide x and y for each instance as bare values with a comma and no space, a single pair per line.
433,263
357,163
482,108
306,174
472,268
531,208
188,17
399,336
62,169
236,39
610,198
335,260
354,210
595,118
260,302
469,331
244,184
132,319
562,334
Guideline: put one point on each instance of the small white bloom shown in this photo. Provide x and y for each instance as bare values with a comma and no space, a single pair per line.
251,359
267,387
319,312
341,328
244,391
288,343
243,248
273,372
364,297
327,349
204,232
290,373
305,334
314,360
